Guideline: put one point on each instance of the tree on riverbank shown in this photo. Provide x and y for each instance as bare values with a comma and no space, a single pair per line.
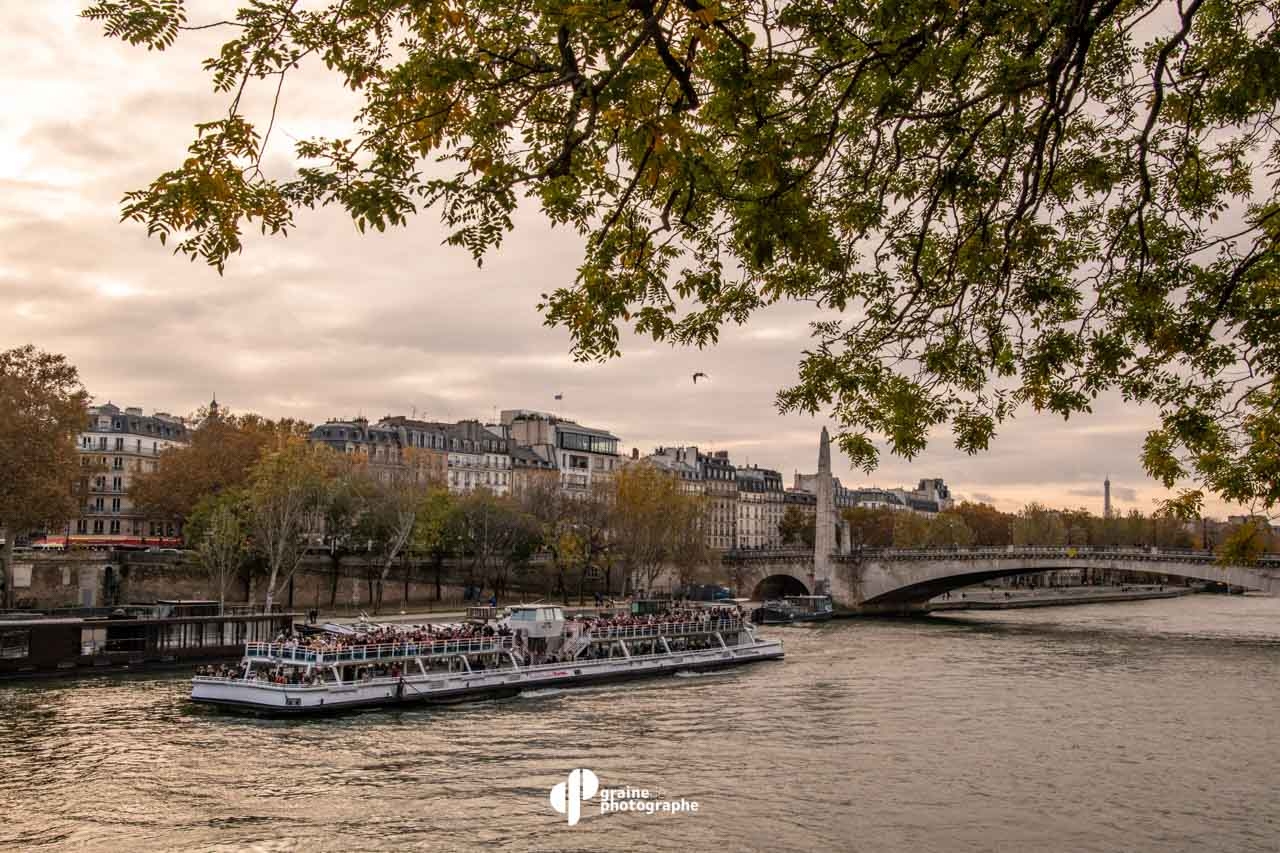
218,530
498,534
285,497
990,526
388,516
992,207
223,450
656,526
42,480
435,535
796,527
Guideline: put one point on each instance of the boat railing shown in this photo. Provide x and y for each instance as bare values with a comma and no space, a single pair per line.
664,629
293,653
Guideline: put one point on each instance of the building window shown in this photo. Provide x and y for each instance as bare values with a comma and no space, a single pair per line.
117,464
102,442
115,504
117,484
97,525
119,444
115,525
82,526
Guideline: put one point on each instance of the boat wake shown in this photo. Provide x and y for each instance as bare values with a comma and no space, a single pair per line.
698,673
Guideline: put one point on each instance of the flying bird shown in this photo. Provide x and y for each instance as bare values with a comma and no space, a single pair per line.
559,396
699,373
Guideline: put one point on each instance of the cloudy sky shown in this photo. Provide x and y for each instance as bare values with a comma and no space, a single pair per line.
328,323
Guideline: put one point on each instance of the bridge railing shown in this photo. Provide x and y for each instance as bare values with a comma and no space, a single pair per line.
1075,552
1135,553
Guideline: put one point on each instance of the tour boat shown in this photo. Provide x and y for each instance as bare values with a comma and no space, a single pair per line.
533,647
793,608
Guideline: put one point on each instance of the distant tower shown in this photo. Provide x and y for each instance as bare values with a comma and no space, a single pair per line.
824,532
212,413
1106,497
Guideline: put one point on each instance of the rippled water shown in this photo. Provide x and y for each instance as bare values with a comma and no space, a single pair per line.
1143,726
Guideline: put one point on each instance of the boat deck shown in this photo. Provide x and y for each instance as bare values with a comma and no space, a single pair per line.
292,653
262,696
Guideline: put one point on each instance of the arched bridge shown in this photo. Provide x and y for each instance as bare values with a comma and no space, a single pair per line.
902,580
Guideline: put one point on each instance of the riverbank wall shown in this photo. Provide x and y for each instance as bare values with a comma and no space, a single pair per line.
346,585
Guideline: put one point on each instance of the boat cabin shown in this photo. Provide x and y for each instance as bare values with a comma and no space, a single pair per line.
539,628
535,621
810,603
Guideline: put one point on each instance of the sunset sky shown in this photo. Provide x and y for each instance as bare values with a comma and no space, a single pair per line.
328,323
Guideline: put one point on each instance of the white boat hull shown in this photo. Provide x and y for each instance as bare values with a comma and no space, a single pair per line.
286,699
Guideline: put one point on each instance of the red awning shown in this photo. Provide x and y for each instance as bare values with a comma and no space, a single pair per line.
99,541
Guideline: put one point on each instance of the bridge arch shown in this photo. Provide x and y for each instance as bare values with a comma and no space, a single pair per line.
894,581
778,585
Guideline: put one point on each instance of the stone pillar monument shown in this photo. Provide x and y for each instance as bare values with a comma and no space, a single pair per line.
824,534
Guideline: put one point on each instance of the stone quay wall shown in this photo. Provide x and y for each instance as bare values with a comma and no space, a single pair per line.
101,579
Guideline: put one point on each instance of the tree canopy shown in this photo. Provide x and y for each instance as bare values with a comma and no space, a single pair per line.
223,449
41,478
993,206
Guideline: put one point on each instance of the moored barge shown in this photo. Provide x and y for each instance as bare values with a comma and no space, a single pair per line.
130,638
794,608
533,647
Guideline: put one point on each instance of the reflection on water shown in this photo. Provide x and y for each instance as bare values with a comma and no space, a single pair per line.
1140,726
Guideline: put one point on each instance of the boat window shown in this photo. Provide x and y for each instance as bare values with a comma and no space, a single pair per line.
15,643
92,639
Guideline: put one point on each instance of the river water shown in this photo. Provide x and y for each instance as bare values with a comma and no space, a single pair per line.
1140,726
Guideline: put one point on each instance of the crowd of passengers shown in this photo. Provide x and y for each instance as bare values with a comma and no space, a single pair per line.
291,675
426,634
672,616
415,635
